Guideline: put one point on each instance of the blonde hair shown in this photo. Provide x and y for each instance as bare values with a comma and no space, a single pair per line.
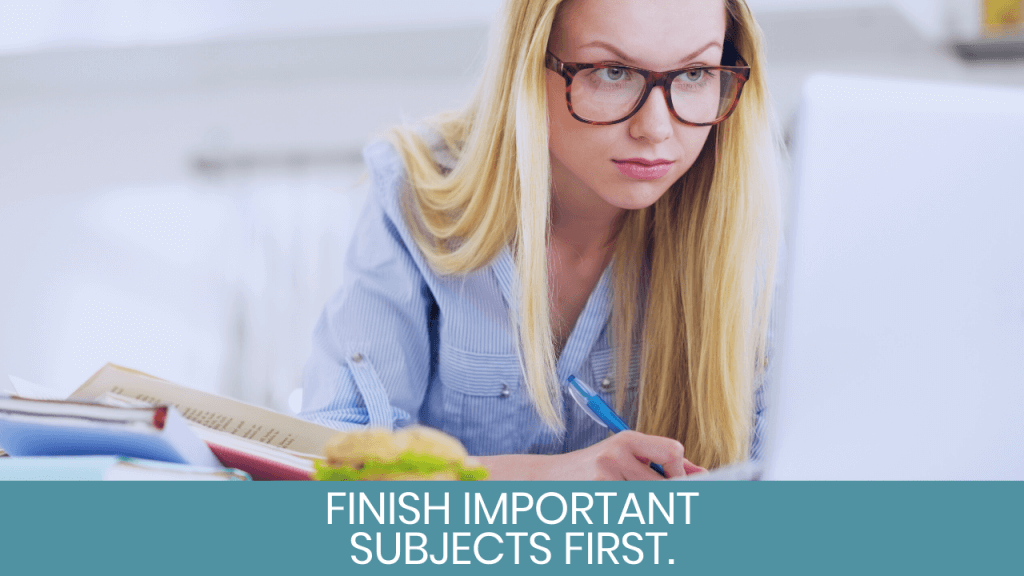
702,256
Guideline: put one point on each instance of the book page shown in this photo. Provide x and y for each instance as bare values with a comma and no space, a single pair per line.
210,410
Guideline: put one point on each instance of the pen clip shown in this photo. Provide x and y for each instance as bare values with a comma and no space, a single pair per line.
582,394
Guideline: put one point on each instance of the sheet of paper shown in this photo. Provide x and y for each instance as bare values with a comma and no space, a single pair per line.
27,389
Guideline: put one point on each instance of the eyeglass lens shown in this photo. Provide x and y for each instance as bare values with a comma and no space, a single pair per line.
610,94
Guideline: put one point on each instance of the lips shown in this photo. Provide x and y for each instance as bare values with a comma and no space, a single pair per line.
643,169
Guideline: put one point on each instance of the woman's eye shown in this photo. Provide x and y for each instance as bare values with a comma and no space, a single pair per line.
693,75
613,74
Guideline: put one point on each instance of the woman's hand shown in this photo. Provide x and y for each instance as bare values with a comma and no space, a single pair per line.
623,456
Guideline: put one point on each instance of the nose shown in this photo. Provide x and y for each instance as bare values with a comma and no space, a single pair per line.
653,122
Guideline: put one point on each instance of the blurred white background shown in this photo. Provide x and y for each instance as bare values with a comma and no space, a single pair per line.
179,181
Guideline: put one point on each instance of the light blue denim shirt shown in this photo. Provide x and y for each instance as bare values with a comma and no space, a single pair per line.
399,344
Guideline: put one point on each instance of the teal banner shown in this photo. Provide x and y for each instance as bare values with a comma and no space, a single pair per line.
508,527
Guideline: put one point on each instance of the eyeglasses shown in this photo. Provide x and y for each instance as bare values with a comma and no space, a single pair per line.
605,94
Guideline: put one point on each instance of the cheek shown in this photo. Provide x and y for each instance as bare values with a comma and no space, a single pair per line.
567,137
559,118
693,139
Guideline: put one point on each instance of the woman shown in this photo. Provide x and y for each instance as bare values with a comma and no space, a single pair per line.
608,222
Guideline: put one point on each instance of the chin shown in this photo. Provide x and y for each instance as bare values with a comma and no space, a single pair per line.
635,200
633,205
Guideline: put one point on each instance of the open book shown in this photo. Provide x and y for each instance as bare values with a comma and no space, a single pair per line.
266,444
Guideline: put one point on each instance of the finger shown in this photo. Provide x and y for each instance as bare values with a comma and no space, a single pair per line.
639,469
664,451
654,466
692,468
618,462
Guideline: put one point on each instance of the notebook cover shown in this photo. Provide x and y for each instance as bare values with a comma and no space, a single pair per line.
258,467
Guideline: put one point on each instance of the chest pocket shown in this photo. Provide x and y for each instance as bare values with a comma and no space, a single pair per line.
485,404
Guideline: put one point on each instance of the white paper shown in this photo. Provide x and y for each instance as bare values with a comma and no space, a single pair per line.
27,389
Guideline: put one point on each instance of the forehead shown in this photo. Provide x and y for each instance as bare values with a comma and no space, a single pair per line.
652,33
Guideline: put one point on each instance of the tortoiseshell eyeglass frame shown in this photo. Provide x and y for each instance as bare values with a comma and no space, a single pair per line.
664,79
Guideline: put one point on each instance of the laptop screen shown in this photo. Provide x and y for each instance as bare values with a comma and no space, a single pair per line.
900,351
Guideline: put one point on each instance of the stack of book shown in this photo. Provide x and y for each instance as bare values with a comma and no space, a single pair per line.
123,424
100,467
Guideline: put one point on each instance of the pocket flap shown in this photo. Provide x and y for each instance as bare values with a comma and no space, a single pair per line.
476,374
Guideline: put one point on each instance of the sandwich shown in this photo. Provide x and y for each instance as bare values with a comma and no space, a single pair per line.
413,453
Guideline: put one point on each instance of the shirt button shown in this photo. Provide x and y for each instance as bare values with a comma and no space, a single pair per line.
357,357
505,392
606,384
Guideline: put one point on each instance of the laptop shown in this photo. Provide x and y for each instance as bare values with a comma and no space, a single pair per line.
900,331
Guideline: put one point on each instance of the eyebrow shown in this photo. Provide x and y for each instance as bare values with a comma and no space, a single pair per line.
625,58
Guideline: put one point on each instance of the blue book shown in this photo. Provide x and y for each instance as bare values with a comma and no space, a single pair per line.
107,468
31,427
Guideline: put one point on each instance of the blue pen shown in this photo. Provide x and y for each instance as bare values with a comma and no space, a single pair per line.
601,412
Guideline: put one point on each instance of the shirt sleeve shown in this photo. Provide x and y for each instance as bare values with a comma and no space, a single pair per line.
757,438
370,362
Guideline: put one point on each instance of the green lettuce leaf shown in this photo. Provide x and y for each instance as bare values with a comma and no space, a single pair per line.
407,463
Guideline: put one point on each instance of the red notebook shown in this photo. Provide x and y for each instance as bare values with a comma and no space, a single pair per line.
258,467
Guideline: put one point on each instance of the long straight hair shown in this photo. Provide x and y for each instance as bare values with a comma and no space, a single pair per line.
693,273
